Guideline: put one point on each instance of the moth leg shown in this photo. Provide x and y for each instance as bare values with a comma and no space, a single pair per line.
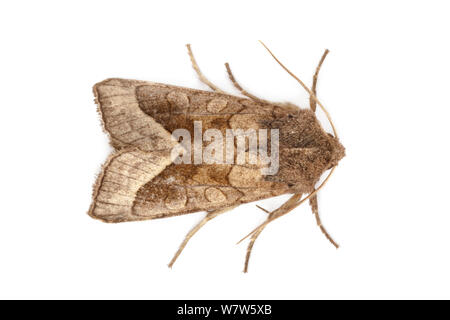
312,102
250,246
241,90
199,73
315,209
288,206
209,216
261,208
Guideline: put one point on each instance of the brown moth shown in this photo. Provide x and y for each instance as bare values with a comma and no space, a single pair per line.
141,179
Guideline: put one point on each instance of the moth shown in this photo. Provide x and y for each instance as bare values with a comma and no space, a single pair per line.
144,179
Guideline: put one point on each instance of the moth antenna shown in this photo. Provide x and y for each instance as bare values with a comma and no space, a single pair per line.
312,95
289,205
293,202
324,231
312,103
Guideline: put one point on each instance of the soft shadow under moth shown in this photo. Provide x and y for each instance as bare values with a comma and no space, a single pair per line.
145,179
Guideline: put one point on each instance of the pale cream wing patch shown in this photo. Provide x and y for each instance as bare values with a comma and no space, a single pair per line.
144,150
123,119
123,174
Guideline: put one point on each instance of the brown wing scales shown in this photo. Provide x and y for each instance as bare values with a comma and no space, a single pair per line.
140,181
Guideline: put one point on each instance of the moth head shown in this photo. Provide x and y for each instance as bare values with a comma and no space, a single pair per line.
338,151
306,150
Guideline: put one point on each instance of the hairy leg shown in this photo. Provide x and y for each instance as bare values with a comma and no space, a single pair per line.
199,73
209,216
241,90
288,206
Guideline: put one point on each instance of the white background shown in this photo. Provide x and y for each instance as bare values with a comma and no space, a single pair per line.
385,83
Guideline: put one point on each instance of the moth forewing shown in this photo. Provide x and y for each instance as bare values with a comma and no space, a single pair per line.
181,150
